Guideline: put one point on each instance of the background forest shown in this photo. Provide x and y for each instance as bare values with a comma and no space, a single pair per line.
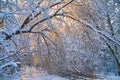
70,38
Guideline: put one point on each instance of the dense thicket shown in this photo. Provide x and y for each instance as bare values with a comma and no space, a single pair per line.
72,37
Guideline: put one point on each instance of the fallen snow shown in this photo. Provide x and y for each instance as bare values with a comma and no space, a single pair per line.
46,76
112,78
32,73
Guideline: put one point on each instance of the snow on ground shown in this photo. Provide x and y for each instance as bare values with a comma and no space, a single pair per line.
46,76
31,73
112,78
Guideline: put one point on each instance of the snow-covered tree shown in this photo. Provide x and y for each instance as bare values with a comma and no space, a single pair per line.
78,37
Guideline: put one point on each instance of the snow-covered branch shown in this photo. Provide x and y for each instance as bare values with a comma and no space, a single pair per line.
93,27
15,64
28,19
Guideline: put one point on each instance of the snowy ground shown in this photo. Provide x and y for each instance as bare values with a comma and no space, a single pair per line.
34,74
31,73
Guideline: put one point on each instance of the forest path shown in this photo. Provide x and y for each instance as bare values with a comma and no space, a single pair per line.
31,73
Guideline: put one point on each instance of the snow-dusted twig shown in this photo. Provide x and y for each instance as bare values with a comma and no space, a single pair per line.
27,20
93,27
17,52
15,64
